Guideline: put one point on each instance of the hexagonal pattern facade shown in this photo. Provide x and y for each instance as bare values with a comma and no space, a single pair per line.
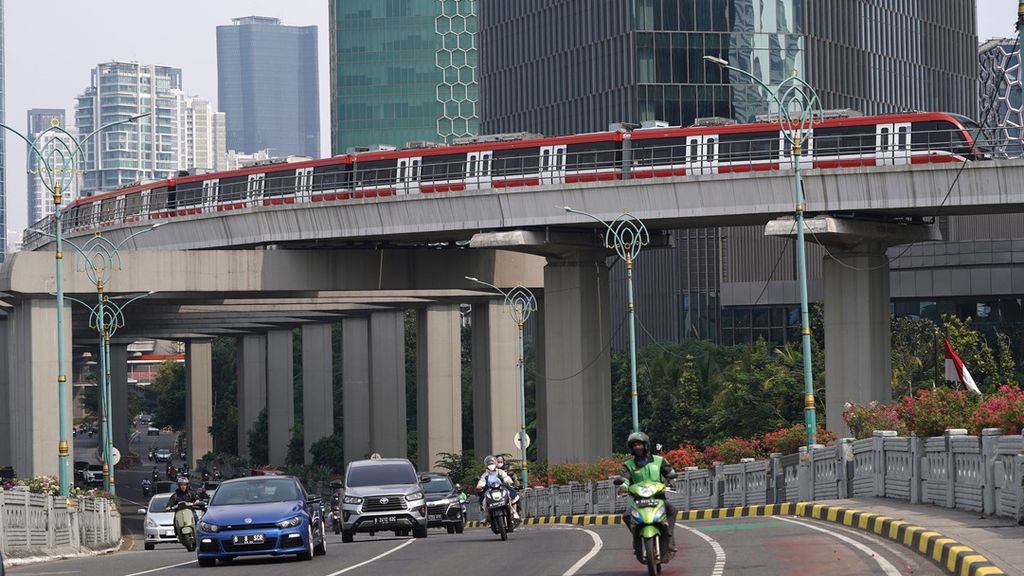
456,58
1000,97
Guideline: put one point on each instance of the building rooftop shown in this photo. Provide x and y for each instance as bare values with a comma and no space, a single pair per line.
256,20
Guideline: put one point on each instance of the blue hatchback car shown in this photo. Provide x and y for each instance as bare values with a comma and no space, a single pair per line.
261,515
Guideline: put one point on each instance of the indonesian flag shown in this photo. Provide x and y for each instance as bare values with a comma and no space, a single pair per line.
957,372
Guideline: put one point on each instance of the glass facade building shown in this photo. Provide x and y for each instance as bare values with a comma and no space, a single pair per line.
147,149
3,147
40,199
402,71
267,86
571,66
1000,100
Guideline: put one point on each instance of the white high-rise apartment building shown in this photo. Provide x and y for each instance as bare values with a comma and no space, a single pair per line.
142,150
202,136
53,147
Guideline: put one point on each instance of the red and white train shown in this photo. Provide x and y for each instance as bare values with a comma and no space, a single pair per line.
496,163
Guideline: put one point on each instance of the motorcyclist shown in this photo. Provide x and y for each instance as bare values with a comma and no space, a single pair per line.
156,474
147,486
512,492
491,467
646,467
182,494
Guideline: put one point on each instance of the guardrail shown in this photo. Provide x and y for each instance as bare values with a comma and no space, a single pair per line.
974,473
41,525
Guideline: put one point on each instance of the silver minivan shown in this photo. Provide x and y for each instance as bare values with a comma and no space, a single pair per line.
383,495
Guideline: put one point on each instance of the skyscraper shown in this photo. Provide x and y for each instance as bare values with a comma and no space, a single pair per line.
3,147
40,200
267,86
402,71
571,66
127,153
201,135
1001,101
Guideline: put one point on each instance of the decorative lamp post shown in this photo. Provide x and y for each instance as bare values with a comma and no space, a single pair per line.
794,92
626,235
58,169
520,303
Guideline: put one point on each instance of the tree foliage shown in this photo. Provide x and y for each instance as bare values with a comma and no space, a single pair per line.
259,440
169,386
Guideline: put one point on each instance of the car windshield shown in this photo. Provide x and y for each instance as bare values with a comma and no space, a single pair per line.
437,485
96,467
158,503
257,491
381,474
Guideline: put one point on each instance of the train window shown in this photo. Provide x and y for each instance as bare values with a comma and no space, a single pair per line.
934,135
593,156
516,161
189,194
846,140
332,177
747,147
133,204
158,199
232,188
107,209
279,183
658,151
376,173
449,167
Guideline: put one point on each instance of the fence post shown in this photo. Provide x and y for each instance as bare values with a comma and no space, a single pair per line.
844,454
51,529
1018,462
916,477
3,522
776,478
951,466
717,484
878,448
989,447
804,474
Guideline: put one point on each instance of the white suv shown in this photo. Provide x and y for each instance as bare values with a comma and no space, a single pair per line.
383,495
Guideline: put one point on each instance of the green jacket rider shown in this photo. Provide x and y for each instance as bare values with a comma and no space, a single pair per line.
646,467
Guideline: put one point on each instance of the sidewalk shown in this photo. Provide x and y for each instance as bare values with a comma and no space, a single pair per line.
999,539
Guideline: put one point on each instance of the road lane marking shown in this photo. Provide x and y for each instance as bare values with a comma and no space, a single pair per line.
364,563
719,566
598,544
161,568
884,564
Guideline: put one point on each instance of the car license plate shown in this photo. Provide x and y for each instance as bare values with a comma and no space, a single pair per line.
385,520
433,517
169,533
245,539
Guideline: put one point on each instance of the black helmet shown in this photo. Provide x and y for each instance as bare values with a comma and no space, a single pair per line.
183,480
638,437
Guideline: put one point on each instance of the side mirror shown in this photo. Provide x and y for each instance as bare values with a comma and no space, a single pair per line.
618,480
142,510
424,478
314,500
672,475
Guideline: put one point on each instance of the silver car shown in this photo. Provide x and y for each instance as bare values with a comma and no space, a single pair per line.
159,525
383,495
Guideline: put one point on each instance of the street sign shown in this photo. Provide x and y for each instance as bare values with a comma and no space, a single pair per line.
517,442
115,455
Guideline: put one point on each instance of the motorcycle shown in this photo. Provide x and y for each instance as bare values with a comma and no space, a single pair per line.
185,523
648,523
498,507
335,515
147,486
156,475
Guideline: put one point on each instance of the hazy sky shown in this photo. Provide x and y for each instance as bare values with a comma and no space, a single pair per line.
52,45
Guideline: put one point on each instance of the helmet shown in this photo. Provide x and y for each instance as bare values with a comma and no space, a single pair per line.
489,459
183,480
638,437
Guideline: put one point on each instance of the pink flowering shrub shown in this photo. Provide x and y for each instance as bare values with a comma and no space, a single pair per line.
1004,409
789,440
863,420
730,450
683,456
932,412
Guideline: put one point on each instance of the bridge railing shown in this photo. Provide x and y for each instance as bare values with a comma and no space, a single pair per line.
973,473
43,525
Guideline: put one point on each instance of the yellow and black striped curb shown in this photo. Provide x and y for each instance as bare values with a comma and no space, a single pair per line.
955,558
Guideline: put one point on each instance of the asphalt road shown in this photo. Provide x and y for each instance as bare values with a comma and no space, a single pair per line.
728,546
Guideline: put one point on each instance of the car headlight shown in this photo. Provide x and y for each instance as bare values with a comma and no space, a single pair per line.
290,522
414,496
353,500
150,523
645,491
207,527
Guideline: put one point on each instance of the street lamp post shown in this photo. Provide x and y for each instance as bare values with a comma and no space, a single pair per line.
99,257
626,235
520,303
795,92
58,170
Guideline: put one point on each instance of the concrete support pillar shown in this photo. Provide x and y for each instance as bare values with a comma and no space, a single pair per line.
577,392
317,385
387,384
438,383
120,423
280,395
541,380
29,430
495,379
355,375
198,399
251,367
857,310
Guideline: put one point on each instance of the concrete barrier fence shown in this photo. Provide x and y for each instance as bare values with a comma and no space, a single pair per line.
973,473
38,525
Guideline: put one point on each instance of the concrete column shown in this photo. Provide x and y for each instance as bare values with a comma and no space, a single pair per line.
198,398
280,395
355,375
577,392
857,310
120,423
541,380
251,366
495,379
388,434
29,430
438,383
317,385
